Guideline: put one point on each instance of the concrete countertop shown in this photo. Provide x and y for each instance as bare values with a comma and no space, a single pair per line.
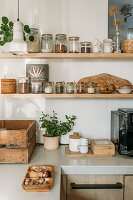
12,175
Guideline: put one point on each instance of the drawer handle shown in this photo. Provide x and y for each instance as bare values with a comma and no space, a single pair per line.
96,186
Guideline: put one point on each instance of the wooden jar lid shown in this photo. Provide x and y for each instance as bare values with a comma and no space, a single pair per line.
75,135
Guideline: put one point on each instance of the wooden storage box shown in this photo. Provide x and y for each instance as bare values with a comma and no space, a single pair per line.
8,86
18,138
103,147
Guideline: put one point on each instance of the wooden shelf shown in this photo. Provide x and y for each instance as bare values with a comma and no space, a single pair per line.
69,96
67,55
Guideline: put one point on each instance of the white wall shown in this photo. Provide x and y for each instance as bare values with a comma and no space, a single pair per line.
87,19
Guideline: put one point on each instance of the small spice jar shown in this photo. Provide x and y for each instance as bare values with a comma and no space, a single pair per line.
36,87
33,40
48,88
60,87
70,87
60,43
80,87
91,88
23,85
47,43
74,44
85,47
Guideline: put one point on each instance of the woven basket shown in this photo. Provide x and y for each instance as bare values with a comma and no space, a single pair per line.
128,46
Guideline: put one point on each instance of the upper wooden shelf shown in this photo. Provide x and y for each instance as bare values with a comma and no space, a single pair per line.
69,96
67,55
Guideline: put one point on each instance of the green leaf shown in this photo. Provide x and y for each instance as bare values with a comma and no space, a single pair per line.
7,34
2,43
9,39
5,20
31,38
26,29
11,24
1,32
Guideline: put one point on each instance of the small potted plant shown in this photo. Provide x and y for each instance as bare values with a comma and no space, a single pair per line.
54,128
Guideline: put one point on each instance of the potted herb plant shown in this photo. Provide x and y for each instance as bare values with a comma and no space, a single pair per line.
54,128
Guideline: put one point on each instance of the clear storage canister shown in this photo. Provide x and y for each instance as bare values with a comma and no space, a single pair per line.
36,87
80,87
48,88
60,87
33,41
23,85
60,43
47,43
91,88
70,87
85,47
73,44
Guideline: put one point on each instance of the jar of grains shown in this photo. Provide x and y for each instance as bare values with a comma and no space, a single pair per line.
80,87
23,85
33,40
48,88
70,87
60,43
60,87
36,87
47,43
85,47
91,88
73,44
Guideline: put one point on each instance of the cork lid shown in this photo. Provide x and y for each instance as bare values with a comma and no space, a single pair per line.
88,43
73,38
75,135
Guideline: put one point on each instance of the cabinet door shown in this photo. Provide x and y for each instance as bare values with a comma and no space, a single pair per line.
94,194
128,193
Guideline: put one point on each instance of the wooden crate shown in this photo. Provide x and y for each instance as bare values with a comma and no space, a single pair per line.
18,133
18,139
103,147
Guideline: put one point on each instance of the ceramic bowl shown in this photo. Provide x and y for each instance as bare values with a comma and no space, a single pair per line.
124,90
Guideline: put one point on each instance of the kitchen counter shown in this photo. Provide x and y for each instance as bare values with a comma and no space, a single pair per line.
12,175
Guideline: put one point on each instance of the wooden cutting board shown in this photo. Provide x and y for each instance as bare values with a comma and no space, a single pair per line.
70,154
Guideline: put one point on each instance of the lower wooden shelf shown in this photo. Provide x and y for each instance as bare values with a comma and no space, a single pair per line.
69,96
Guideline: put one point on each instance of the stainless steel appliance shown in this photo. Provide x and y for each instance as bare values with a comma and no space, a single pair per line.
122,130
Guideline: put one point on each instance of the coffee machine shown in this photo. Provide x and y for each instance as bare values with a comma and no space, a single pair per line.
122,130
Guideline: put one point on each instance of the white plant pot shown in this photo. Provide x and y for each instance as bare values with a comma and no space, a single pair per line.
5,48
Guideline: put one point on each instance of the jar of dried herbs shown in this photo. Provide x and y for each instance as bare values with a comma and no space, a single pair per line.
47,43
60,43
70,87
33,41
60,87
23,85
74,44
85,47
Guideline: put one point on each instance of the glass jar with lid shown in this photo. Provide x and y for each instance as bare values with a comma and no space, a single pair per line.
48,87
60,87
74,44
47,43
91,88
23,85
70,87
85,47
36,87
80,87
33,40
60,43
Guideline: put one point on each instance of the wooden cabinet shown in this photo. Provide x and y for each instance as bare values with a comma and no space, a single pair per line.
128,192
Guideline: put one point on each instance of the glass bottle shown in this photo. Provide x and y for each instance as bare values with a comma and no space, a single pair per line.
47,43
60,43
70,87
73,44
80,87
33,41
23,85
60,87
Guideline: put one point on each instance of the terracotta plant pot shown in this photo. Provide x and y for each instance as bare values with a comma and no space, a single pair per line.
51,143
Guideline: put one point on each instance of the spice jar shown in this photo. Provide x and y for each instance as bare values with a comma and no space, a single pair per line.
80,87
60,87
33,41
48,87
70,87
47,43
91,88
85,47
60,43
36,87
73,44
23,85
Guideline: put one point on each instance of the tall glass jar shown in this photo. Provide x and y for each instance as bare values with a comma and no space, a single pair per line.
60,87
36,87
33,41
60,43
80,87
23,85
70,87
73,44
47,43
